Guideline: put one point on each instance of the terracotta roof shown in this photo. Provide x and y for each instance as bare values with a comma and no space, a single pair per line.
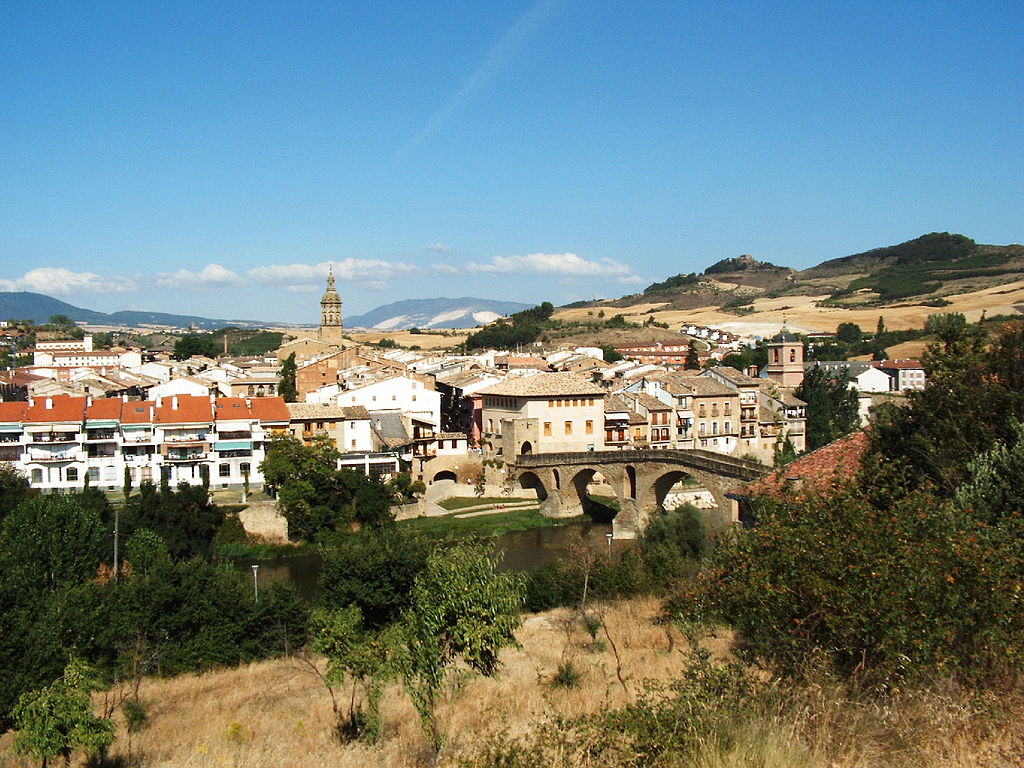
231,409
13,412
270,409
838,461
64,408
546,385
650,402
106,409
137,412
192,409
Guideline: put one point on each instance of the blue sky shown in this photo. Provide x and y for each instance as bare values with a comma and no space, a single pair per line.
215,158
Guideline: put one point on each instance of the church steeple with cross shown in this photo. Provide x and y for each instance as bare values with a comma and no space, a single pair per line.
330,311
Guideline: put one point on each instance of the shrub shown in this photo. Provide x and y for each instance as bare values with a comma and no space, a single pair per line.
878,587
566,676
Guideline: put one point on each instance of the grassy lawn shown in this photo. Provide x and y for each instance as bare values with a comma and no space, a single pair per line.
461,502
483,525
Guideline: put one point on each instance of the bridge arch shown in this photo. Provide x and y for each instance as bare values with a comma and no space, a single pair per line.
532,481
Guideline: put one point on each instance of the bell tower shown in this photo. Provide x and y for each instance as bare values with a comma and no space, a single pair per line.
330,312
785,359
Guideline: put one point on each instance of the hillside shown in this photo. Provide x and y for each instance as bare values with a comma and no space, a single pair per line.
278,713
39,308
938,272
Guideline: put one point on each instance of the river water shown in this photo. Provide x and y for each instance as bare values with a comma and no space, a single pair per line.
521,551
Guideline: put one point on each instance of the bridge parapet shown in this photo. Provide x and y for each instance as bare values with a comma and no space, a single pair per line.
708,461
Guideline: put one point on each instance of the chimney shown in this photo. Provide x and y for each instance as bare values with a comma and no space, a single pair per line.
124,398
49,403
174,402
88,401
159,402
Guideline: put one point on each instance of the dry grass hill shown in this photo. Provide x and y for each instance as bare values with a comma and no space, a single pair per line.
277,714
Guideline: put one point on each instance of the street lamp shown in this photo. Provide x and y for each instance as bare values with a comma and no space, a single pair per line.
609,535
256,582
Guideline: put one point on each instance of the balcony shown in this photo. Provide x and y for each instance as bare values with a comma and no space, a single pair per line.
185,456
10,437
10,453
53,437
135,437
100,436
195,437
47,456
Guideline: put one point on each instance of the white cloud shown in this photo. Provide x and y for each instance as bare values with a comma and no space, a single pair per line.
209,276
292,276
566,264
446,269
438,248
63,282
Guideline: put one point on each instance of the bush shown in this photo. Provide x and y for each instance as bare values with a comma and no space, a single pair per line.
885,586
566,676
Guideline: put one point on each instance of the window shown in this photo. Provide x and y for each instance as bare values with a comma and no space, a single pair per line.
728,427
568,427
792,355
353,443
728,409
37,475
93,473
702,429
703,411
223,470
714,409
590,427
71,475
547,429
775,355
243,468
714,427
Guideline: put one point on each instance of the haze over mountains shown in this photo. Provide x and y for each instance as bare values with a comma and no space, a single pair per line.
923,271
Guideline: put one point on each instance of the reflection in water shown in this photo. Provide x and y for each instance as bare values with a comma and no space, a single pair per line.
521,551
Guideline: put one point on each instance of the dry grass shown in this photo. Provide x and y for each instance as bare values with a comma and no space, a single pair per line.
277,714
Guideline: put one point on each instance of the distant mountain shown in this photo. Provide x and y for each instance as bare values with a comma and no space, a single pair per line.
39,308
435,313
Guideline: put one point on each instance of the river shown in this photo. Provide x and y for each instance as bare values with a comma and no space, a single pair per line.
521,551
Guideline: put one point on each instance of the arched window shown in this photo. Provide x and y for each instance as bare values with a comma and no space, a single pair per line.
792,355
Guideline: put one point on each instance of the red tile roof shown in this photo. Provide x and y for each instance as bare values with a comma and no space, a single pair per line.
839,460
11,412
105,408
62,409
270,409
135,412
232,408
192,409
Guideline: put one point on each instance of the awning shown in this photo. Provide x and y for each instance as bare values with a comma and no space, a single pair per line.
91,424
10,427
233,445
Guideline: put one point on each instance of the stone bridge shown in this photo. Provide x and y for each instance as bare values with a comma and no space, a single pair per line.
640,479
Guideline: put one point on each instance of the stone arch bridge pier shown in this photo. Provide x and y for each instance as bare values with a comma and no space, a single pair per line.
640,479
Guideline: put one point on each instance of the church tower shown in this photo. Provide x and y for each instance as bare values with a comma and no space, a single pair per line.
785,359
330,312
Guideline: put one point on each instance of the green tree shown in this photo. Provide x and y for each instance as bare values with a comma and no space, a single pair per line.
62,322
315,496
287,388
195,344
610,353
49,541
832,406
692,359
849,333
463,609
373,569
880,328
362,658
58,719
14,488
